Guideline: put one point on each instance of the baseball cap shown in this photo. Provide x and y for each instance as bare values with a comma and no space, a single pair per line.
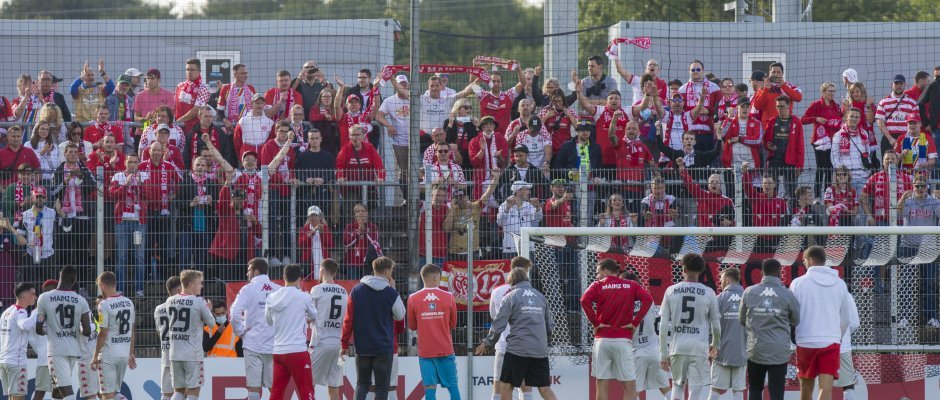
851,75
154,73
132,72
162,127
535,122
912,116
39,191
520,185
559,182
521,149
584,125
124,79
898,78
758,75
257,96
314,210
401,79
353,97
250,152
489,119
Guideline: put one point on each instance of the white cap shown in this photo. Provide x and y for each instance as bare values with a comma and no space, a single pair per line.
314,210
851,75
520,185
401,78
162,127
133,72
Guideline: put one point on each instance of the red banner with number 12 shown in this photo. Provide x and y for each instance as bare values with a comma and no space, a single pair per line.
488,275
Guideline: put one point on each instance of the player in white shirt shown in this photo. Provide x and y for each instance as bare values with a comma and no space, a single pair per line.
649,374
248,323
496,298
330,300
15,324
114,352
63,317
162,322
689,313
88,386
289,310
189,316
40,345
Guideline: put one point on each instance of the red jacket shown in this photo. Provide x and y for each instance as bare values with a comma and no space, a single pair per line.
832,113
155,190
173,154
479,163
438,236
765,100
304,242
765,210
95,161
226,242
754,137
709,204
10,160
357,245
614,298
278,180
121,193
364,164
795,151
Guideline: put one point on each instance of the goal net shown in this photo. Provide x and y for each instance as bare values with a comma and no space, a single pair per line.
889,270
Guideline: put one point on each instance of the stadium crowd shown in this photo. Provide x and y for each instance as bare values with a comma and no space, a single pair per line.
183,185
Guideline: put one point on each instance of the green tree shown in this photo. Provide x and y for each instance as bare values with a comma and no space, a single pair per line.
82,9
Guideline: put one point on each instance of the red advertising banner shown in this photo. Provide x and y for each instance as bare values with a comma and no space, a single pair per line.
488,274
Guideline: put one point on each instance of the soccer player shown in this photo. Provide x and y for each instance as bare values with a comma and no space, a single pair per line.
432,314
496,299
248,322
826,309
330,300
162,318
614,322
288,311
62,316
728,368
649,375
188,315
40,345
689,313
768,311
15,324
114,352
526,357
89,387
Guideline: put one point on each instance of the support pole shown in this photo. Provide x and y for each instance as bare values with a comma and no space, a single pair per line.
471,290
99,223
414,156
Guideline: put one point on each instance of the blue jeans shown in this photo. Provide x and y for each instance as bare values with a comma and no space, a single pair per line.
124,238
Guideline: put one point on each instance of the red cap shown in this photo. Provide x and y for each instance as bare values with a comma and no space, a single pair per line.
913,116
353,97
50,282
154,72
251,152
39,191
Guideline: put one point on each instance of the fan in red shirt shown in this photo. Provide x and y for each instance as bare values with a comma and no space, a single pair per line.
161,190
558,120
740,145
632,159
171,153
190,95
826,116
279,99
765,100
238,236
15,154
766,208
279,156
874,197
841,199
921,79
359,161
350,116
488,153
497,104
557,210
438,211
315,239
107,157
100,128
235,98
360,238
608,303
611,116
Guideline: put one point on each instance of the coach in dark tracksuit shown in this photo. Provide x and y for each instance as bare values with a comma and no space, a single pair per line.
374,306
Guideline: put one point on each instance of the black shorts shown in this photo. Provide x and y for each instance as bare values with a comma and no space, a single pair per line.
517,369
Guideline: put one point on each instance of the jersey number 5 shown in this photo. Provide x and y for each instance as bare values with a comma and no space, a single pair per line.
688,306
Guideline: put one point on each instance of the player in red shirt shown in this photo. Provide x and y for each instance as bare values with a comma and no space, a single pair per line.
432,314
614,323
279,99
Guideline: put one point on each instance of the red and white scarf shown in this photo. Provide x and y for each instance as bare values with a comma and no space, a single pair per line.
104,128
200,182
132,193
72,201
300,142
845,145
190,87
390,70
49,98
281,113
164,172
622,222
197,137
19,196
496,62
613,50
236,105
252,182
489,152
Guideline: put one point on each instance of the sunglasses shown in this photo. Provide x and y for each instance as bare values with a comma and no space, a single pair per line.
445,76
443,151
696,70
920,186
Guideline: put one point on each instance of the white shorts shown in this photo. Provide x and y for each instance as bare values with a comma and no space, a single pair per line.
326,369
689,370
650,374
14,379
60,369
187,374
846,371
111,374
87,380
726,377
43,379
259,370
613,359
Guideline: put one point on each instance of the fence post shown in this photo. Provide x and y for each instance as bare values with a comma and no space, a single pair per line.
739,196
892,196
428,219
293,223
263,212
471,290
99,222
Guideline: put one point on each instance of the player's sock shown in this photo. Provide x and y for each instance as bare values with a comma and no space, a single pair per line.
178,396
848,394
495,397
677,391
430,394
526,395
695,392
738,395
192,397
713,395
454,392
392,393
254,396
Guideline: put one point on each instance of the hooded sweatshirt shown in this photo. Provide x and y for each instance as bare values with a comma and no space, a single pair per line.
824,307
373,305
288,311
527,311
767,311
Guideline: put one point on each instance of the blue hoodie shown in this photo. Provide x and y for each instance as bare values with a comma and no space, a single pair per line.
373,305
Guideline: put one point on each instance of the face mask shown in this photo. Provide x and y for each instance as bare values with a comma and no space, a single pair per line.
463,119
221,319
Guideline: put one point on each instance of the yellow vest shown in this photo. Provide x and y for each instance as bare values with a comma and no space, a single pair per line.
225,347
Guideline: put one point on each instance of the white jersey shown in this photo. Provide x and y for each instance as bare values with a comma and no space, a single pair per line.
255,130
161,319
330,300
40,345
15,324
248,315
88,350
646,336
189,315
496,299
117,316
62,311
689,313
290,311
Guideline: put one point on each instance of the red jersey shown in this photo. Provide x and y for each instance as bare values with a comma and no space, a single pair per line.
497,106
130,191
602,118
172,154
96,131
753,138
348,121
6,110
163,182
438,236
914,92
558,126
765,100
236,101
99,159
765,210
364,164
273,96
11,159
227,241
692,91
190,94
877,190
614,299
307,246
432,313
285,170
250,182
709,204
839,202
632,158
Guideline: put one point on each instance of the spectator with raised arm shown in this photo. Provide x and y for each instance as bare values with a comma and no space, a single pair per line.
489,153
765,100
235,97
27,102
633,159
86,92
676,121
696,90
279,99
191,94
369,99
606,117
238,236
310,82
321,118
354,113
461,214
436,103
152,97
892,112
394,114
497,103
742,136
841,199
783,140
559,120
171,153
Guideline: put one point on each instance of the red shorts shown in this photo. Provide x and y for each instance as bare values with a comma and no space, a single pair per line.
814,362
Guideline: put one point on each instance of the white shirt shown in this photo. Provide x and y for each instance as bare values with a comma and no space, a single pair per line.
177,138
48,162
397,113
255,130
330,300
117,316
852,159
646,336
496,300
536,144
42,238
435,111
247,312
289,310
512,219
15,324
40,345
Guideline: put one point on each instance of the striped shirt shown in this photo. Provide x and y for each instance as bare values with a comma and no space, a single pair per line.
893,110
